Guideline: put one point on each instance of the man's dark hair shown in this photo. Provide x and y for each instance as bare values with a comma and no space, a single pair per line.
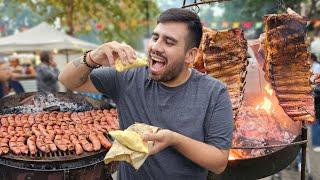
45,56
313,57
185,16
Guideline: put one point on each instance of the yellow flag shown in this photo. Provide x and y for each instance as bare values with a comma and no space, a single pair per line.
235,24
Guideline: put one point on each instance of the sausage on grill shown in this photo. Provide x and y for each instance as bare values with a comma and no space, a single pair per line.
48,132
31,142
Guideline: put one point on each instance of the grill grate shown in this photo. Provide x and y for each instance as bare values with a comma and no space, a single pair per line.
51,156
53,161
59,160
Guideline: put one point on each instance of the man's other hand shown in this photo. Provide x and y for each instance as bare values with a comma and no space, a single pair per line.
162,139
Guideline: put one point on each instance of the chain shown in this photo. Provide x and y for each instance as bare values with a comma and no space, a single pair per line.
199,2
195,9
281,5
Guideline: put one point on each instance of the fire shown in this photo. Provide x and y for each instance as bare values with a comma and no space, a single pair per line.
231,157
268,89
267,103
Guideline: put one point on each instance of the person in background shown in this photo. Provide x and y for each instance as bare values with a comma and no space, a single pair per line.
8,86
47,73
315,128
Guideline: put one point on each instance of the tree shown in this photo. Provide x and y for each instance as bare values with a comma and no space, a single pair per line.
122,20
280,6
23,18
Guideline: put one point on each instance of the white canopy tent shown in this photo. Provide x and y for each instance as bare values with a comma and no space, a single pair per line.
43,37
40,38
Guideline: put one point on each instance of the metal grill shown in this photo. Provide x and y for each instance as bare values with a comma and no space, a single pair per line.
59,160
51,156
53,161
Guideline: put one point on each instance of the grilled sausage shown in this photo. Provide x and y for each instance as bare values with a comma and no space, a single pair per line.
49,142
31,119
86,145
36,130
4,122
56,130
104,141
42,145
67,142
58,142
4,147
77,145
21,144
13,145
31,142
95,141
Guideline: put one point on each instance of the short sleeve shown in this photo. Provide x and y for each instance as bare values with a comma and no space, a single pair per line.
219,123
106,81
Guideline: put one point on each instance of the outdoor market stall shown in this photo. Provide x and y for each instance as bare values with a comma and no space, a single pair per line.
43,37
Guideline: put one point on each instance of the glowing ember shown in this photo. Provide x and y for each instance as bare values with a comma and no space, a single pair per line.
266,105
268,89
256,128
261,121
231,157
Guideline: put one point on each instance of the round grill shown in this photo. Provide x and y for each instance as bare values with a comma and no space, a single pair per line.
59,160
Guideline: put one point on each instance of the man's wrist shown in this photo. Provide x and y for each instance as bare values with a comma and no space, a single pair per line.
88,59
88,62
174,137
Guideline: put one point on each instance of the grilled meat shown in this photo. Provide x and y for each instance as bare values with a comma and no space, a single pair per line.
48,132
287,64
223,55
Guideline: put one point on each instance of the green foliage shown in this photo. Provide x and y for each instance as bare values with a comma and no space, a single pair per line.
15,16
312,6
121,20
254,10
256,7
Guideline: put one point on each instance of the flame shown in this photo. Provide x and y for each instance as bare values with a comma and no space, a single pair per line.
266,105
231,157
268,89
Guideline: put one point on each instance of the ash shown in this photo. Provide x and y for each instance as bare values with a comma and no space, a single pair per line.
44,100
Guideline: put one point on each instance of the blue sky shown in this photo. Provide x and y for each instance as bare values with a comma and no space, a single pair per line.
165,4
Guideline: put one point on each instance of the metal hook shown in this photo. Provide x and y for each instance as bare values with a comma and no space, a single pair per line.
195,9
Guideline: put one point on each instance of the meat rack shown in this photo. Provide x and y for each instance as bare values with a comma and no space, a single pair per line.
199,2
195,4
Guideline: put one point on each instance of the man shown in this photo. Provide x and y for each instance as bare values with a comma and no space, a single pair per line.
193,109
7,85
47,73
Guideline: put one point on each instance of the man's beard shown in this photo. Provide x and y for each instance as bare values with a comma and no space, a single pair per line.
172,71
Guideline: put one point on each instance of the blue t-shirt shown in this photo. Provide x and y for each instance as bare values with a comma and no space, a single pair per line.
200,109
14,86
